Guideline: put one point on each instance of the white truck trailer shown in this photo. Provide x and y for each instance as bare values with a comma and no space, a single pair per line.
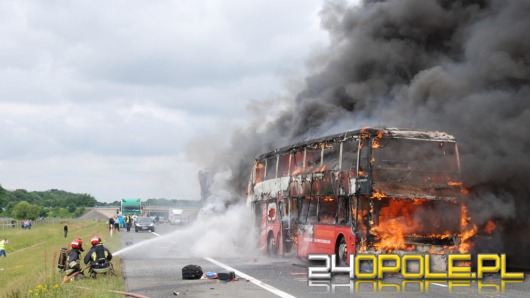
175,217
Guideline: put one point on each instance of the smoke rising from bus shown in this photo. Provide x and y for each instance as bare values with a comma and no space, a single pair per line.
457,66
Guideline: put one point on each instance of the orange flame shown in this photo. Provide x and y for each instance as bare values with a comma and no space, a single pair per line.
320,169
378,195
364,133
376,143
395,222
434,250
297,172
391,235
468,230
490,227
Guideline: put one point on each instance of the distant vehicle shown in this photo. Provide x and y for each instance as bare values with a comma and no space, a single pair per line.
175,217
157,219
131,207
144,224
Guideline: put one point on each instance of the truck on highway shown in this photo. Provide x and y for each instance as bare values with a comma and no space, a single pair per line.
175,216
131,207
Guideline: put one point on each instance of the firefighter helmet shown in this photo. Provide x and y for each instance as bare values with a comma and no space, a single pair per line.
77,244
95,240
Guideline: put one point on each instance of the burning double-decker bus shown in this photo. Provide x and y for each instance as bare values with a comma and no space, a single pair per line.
383,190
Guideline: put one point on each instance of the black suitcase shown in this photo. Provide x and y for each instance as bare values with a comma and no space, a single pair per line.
191,272
226,275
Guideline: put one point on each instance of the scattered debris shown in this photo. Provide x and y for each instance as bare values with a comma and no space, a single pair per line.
209,275
226,275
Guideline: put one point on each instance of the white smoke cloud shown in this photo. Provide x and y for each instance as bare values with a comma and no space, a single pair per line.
226,234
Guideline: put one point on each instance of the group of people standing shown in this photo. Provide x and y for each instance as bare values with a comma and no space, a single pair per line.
97,259
119,221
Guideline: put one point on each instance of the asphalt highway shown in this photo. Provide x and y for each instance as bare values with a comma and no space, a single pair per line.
153,269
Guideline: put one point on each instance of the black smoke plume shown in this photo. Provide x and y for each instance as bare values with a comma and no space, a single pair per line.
462,67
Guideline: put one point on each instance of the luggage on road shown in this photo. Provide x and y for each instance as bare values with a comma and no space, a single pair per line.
226,275
191,272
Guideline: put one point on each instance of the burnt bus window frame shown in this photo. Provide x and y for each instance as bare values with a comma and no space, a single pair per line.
283,210
360,212
284,164
330,216
364,156
309,210
331,158
312,215
343,210
271,164
312,158
296,202
304,209
259,170
350,156
297,162
445,153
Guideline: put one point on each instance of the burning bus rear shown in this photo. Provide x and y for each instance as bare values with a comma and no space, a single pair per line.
368,190
410,195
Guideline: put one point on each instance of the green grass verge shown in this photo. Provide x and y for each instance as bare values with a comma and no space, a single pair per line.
30,268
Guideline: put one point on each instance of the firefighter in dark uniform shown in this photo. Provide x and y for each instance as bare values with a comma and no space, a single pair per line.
98,257
74,259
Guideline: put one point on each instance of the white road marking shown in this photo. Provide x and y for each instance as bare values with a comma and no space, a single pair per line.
440,285
252,279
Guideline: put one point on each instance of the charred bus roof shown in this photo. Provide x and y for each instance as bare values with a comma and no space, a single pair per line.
366,133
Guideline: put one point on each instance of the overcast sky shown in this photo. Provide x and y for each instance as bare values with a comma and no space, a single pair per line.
102,97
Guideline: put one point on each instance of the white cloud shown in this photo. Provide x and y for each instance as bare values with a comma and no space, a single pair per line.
102,97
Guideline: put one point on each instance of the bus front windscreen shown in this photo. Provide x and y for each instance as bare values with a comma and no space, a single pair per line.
415,168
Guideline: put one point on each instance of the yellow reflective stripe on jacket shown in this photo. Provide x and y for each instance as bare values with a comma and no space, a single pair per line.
94,255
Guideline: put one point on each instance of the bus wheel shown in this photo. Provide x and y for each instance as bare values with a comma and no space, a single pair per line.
341,252
271,248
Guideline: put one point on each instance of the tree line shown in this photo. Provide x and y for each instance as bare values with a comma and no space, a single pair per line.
23,204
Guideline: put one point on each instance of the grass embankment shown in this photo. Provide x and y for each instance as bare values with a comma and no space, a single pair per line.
30,268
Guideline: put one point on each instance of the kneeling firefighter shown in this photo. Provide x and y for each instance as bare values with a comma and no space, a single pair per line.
74,259
98,257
